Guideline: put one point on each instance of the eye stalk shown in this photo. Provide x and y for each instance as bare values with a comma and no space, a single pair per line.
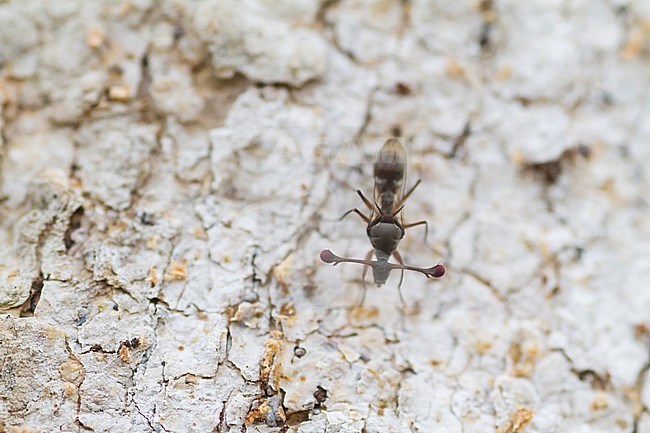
436,271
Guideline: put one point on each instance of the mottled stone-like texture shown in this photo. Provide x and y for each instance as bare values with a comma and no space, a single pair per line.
170,171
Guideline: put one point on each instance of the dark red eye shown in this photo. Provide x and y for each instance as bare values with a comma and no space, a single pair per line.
438,271
328,257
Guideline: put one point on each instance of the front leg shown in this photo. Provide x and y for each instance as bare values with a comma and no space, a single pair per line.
365,200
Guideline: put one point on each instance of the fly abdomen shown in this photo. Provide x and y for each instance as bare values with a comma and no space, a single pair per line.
389,173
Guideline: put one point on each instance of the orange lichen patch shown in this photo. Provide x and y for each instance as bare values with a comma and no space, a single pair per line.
403,89
200,233
482,347
288,310
532,351
634,395
7,94
515,353
486,10
230,312
52,333
124,8
287,314
518,158
176,271
95,37
258,414
413,311
600,402
518,421
69,389
524,357
639,35
123,353
153,276
374,373
277,374
72,371
282,272
152,242
269,371
504,73
641,331
608,186
361,313
454,68
545,251
120,93
12,273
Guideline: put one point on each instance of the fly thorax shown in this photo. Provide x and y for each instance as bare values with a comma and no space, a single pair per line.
385,236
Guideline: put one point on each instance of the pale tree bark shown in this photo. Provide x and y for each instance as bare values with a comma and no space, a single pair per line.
170,171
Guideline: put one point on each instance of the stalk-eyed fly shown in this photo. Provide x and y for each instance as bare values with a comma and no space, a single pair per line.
385,224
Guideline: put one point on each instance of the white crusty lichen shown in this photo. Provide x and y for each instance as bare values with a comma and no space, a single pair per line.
113,176
41,377
170,171
39,243
247,38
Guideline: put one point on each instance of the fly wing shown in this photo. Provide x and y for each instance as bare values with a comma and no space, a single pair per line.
390,170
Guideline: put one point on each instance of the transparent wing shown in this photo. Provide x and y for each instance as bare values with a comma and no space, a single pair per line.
389,171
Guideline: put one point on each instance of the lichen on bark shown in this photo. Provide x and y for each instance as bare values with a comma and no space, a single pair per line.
170,171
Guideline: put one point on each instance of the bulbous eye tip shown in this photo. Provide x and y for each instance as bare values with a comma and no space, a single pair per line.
327,256
438,270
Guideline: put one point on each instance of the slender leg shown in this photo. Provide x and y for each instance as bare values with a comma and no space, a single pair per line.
398,257
409,192
358,212
365,200
363,279
426,228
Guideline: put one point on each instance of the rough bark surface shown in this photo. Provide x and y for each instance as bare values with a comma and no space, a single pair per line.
170,171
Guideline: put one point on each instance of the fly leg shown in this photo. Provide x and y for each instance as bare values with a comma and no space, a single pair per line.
408,193
401,203
363,279
357,211
426,228
398,257
365,200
